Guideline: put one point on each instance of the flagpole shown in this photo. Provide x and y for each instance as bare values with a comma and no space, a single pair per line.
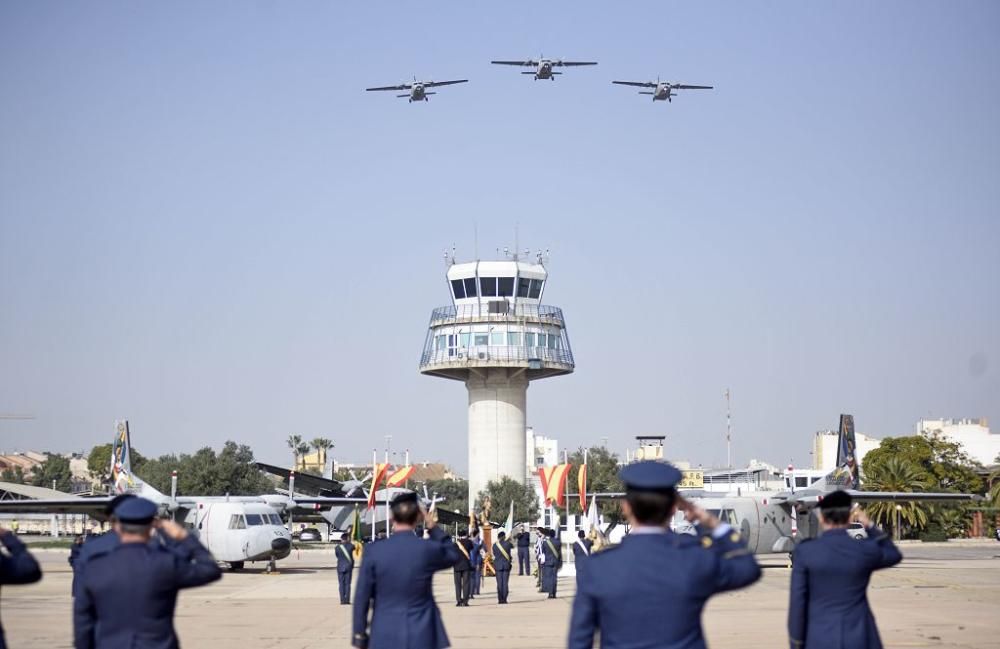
388,439
374,478
729,452
565,478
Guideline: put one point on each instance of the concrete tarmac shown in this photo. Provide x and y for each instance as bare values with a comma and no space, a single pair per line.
942,595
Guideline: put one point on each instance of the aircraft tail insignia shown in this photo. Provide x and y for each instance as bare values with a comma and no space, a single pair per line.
845,475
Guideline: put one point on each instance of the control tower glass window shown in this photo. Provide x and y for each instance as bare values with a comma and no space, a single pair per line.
470,287
536,289
488,286
458,288
523,286
529,339
505,286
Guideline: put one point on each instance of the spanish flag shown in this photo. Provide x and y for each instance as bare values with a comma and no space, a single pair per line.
554,483
581,485
378,477
400,476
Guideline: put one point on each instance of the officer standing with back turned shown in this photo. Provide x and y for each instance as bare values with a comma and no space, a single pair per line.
395,581
649,591
828,606
345,567
502,549
125,598
17,566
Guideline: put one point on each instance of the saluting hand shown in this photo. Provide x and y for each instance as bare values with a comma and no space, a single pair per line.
171,529
695,514
859,515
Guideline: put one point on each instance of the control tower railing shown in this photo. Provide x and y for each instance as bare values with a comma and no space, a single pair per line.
496,354
497,311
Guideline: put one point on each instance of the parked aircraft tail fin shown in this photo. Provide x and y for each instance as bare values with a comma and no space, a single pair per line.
845,474
123,480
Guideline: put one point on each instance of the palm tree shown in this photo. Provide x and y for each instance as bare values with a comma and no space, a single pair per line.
896,475
322,445
294,442
302,451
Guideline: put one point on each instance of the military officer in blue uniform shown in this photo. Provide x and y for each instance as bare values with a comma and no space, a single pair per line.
502,564
828,606
345,567
463,569
126,596
476,574
16,567
523,539
551,563
395,582
650,590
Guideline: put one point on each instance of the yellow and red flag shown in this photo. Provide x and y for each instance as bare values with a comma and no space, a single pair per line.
581,485
545,475
378,476
399,477
554,483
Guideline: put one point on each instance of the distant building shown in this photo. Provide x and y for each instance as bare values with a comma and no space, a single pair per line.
650,448
825,449
27,462
542,451
973,434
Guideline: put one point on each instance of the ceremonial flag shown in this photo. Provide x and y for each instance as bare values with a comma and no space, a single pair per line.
556,488
581,482
545,475
508,527
400,476
378,476
356,537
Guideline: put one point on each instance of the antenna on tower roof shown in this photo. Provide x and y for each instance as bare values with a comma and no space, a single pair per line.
515,241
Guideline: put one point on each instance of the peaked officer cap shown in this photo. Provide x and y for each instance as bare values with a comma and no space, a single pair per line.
650,475
137,511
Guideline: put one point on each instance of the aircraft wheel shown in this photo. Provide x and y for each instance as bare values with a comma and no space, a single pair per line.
790,559
236,566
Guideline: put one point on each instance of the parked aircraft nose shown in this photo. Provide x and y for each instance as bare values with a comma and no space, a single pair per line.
280,545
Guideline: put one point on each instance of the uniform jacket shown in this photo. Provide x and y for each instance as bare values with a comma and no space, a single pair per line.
829,602
345,557
578,553
125,597
523,541
476,558
553,558
661,580
19,568
463,564
501,562
395,582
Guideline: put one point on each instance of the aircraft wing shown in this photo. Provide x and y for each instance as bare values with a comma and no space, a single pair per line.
813,498
529,63
404,86
639,84
307,480
435,84
70,505
681,86
573,63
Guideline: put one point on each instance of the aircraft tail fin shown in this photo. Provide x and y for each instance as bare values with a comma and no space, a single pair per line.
123,480
845,474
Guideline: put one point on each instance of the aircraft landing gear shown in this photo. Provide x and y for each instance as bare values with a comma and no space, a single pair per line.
790,559
272,567
235,566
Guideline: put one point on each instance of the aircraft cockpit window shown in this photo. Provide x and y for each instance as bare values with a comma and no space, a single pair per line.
729,516
505,286
458,288
523,286
275,519
801,481
536,289
715,512
470,287
488,286
237,522
256,519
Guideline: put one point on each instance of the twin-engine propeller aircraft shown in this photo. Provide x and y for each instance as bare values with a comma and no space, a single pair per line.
662,90
235,529
773,522
417,91
543,67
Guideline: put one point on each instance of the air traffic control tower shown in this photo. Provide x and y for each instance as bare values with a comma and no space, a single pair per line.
496,336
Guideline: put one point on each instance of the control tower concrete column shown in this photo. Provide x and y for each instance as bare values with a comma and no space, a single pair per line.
496,337
497,406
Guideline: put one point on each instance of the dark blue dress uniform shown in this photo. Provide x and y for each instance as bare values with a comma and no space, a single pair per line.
18,568
581,550
502,564
550,567
650,590
523,553
476,575
463,572
345,570
828,604
395,581
125,597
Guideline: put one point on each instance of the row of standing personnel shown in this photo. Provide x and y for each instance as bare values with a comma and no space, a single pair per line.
648,591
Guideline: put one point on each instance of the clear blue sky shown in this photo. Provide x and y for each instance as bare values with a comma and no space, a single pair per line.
208,227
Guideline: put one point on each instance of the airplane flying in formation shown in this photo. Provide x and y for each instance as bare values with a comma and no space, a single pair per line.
417,91
543,66
235,529
662,90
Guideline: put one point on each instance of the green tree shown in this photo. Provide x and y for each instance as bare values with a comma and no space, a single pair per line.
454,492
99,462
301,453
602,477
12,474
207,473
294,442
321,446
504,491
896,474
53,473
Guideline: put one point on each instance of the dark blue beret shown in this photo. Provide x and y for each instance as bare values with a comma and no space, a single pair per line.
649,475
138,511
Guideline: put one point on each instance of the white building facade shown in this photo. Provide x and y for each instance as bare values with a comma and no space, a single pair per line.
825,449
973,434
